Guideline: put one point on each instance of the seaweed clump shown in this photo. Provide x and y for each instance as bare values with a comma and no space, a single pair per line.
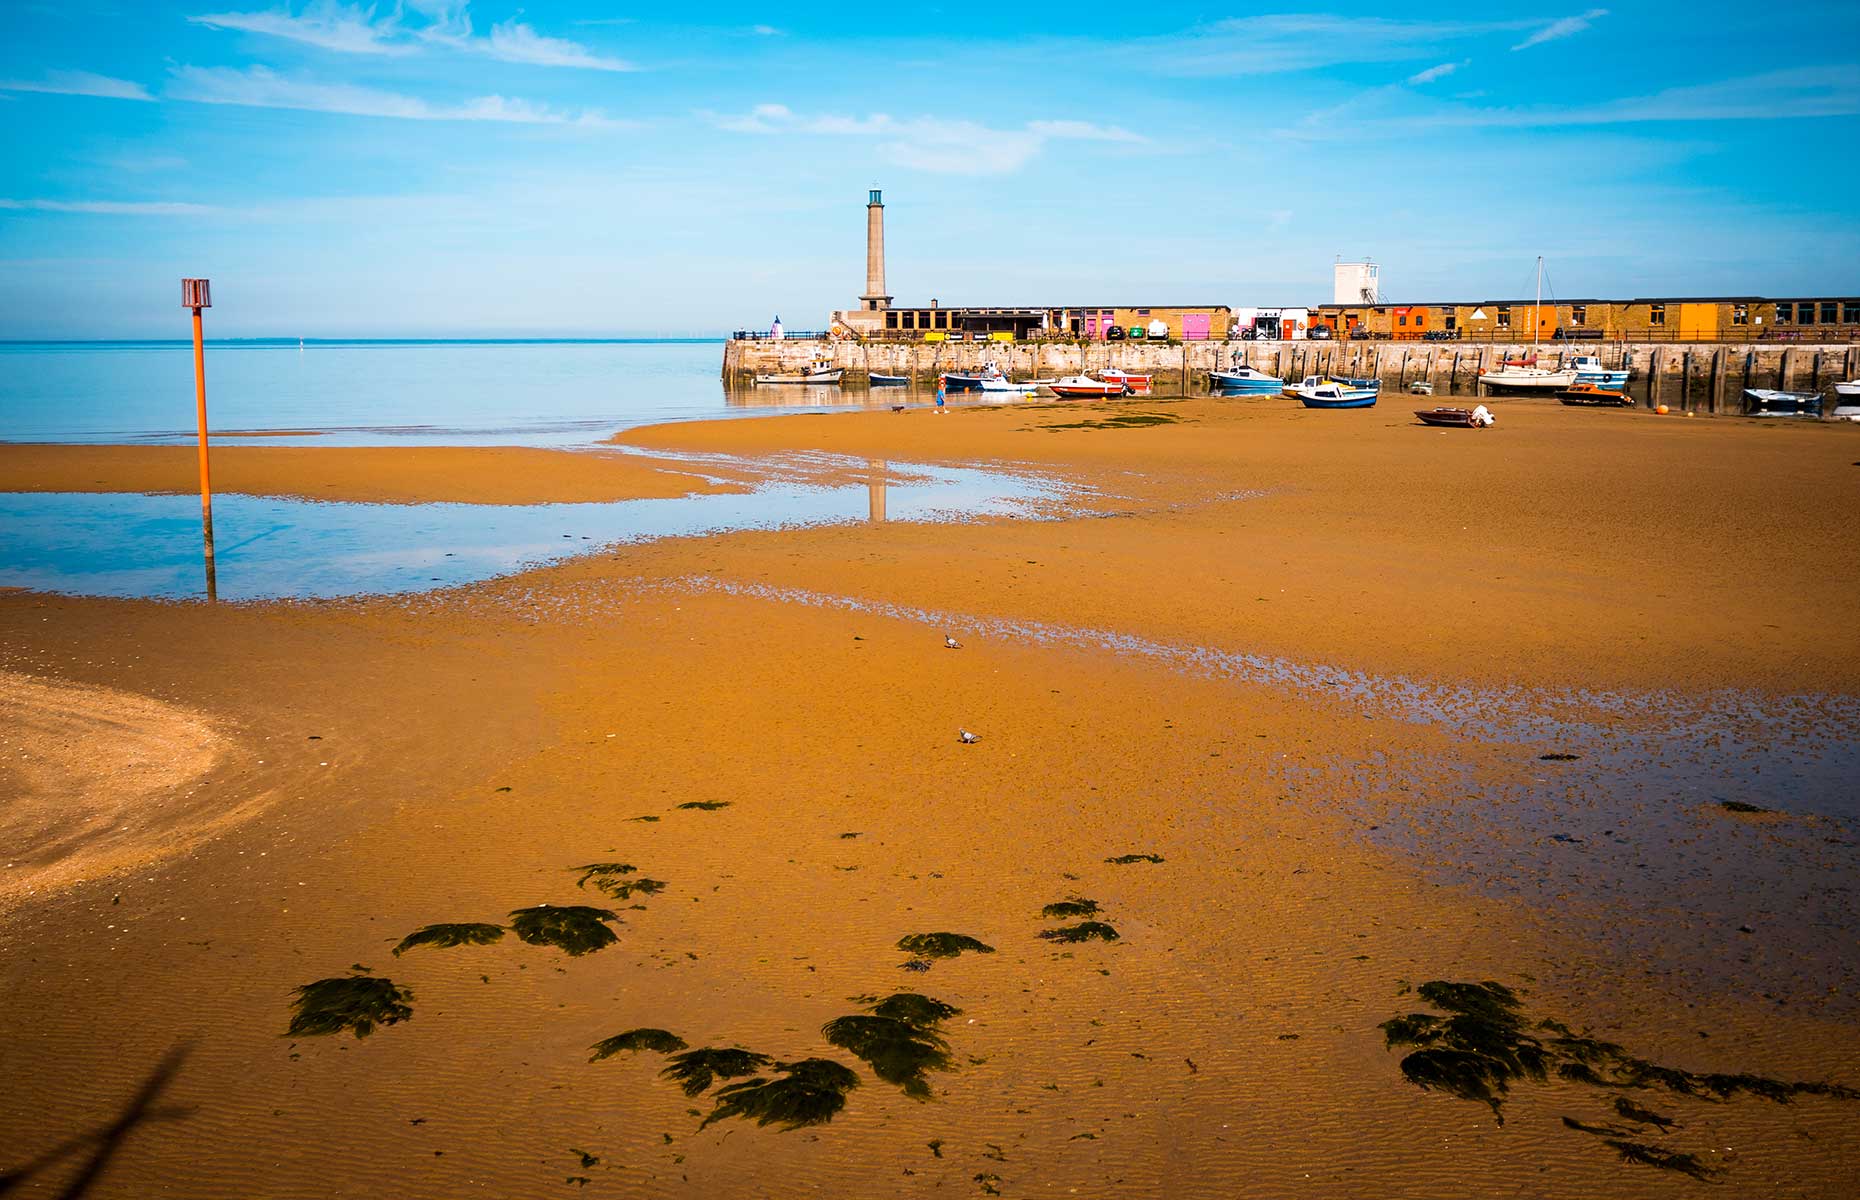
706,805
1076,906
658,1041
898,1040
809,1092
1741,806
1482,1046
574,928
695,1070
611,878
1124,860
352,1002
1084,931
941,945
1666,1160
444,937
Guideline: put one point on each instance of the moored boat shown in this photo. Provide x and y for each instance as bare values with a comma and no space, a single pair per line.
1593,396
1850,389
1466,418
1084,387
1139,385
997,384
1526,379
879,379
1589,369
1245,381
818,373
1316,391
1771,402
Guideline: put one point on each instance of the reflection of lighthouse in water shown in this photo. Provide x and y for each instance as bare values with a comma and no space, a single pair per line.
775,333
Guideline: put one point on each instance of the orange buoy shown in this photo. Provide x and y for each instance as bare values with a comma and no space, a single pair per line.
1662,410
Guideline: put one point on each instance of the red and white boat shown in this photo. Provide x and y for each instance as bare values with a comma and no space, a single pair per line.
1139,385
1084,387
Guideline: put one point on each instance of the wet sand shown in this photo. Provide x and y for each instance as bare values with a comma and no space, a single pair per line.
382,474
1335,826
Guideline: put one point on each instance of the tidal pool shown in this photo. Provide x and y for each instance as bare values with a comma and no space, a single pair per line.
269,547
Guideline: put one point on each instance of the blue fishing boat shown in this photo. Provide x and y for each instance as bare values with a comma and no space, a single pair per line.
1316,391
1245,381
881,380
1589,369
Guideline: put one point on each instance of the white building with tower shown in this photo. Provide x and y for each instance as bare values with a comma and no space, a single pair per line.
1356,283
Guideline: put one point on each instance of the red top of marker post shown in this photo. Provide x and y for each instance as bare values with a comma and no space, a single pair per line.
195,294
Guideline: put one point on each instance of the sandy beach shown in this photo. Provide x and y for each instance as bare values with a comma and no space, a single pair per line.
1274,694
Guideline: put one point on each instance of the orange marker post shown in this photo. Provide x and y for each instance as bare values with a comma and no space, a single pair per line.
196,295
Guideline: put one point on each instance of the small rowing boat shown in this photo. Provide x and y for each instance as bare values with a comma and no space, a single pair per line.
881,380
1464,418
1591,395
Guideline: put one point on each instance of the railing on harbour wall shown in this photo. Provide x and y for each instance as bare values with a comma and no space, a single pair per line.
1481,337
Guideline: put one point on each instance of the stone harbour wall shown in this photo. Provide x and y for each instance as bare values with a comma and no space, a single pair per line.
1704,377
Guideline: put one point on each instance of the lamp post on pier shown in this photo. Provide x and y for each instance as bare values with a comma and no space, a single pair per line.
196,295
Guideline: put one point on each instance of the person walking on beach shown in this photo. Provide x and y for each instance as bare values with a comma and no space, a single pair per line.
939,397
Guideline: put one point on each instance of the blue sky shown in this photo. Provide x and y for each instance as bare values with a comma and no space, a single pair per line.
436,168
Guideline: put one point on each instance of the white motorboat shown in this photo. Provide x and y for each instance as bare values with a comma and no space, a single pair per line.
1138,385
1772,402
1318,391
1589,369
1084,387
999,384
1850,389
1245,381
820,372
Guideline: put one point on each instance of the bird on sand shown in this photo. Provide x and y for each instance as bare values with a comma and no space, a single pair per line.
950,643
967,738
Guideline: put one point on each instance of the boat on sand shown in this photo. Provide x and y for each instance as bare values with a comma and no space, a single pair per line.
1465,418
1317,391
1084,387
1589,395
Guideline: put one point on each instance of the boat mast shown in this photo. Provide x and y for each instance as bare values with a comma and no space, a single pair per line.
1540,299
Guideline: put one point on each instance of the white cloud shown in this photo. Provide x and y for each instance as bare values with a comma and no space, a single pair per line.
512,41
1566,27
1277,43
1433,73
260,87
1798,93
112,208
79,83
767,31
327,25
951,147
352,29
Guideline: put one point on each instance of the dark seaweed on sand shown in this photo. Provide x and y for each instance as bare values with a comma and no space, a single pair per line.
574,928
1124,860
1741,806
1084,931
706,805
444,937
941,945
658,1041
611,878
1666,1160
1076,906
1482,1046
898,1039
809,1092
695,1070
1558,757
353,1002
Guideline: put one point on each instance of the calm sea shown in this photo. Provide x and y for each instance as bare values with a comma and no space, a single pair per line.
375,392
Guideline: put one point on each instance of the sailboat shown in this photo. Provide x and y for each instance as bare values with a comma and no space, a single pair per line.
1527,376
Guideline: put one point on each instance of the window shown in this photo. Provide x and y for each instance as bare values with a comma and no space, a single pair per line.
1785,313
1143,312
1740,314
1402,320
891,320
1579,314
1504,316
1453,322
1828,311
1805,313
1850,312
1656,314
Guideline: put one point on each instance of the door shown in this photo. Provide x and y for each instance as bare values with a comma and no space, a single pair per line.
1195,327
